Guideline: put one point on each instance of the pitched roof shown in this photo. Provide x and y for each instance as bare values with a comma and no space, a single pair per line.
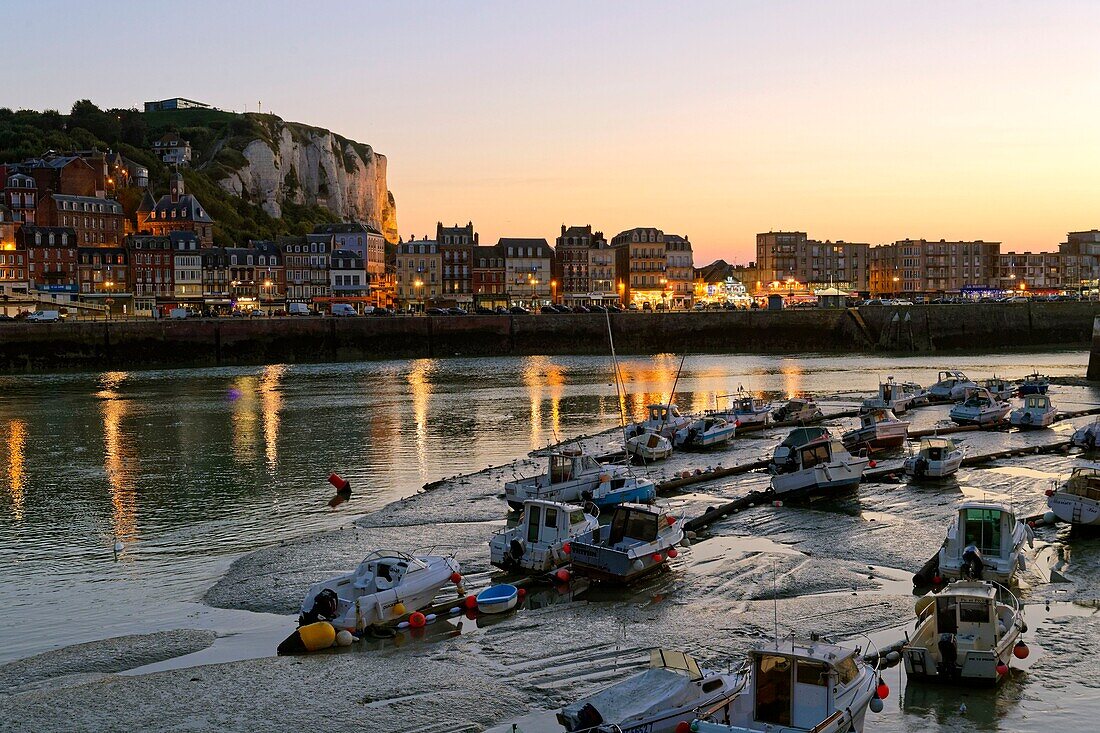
187,208
539,244
350,227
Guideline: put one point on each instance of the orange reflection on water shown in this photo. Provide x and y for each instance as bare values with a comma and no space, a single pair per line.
792,373
544,378
118,463
17,477
271,402
245,421
420,384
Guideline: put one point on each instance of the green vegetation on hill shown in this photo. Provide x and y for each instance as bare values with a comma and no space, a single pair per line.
217,139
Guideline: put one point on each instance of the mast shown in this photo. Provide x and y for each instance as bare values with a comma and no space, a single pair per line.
619,388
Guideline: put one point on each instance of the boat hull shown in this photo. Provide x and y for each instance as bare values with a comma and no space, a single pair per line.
979,667
978,418
637,494
1075,510
819,479
934,469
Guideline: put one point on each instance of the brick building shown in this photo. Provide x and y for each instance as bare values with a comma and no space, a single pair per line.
487,277
573,264
921,267
97,221
791,256
456,250
151,271
176,211
51,258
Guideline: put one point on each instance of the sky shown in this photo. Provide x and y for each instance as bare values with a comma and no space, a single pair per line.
863,121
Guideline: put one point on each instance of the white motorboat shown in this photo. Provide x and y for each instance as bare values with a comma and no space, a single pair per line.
386,585
1036,412
1087,436
664,420
965,633
704,432
878,428
649,447
745,411
950,386
937,458
799,686
798,410
814,462
980,408
639,540
537,544
570,472
1002,389
920,394
1078,500
892,396
661,699
984,542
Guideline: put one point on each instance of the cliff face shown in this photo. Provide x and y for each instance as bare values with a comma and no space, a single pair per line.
308,165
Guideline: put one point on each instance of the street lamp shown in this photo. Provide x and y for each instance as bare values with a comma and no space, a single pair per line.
417,284
553,291
108,300
622,294
896,280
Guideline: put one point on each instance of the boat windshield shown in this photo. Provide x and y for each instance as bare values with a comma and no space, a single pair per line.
665,659
773,689
576,516
1036,401
802,436
814,455
633,523
983,530
561,469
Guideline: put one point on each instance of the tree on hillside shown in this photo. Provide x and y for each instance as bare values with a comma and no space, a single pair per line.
88,116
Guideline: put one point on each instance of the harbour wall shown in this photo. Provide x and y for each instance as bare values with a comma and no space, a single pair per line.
29,347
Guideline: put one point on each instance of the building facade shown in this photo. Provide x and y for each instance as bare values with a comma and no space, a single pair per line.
640,264
97,221
306,261
921,267
186,269
527,270
418,267
51,258
152,268
363,240
679,272
172,149
176,211
456,248
783,257
487,277
573,262
348,280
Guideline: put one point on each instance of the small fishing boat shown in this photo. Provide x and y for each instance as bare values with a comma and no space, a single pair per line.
798,410
1034,383
569,473
386,585
980,408
965,633
936,459
984,542
799,686
878,428
1036,412
639,540
920,394
950,386
704,432
1087,436
664,420
745,411
537,543
662,699
1078,500
814,462
892,396
621,487
1002,389
497,598
649,447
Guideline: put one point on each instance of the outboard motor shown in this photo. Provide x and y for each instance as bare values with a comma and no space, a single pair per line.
949,654
920,467
325,607
588,718
516,550
972,565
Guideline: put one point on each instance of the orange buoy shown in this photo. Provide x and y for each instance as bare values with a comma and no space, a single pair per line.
470,602
673,552
338,481
417,620
566,548
456,577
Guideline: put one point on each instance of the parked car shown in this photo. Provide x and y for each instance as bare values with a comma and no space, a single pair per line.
614,309
597,309
435,312
580,309
518,310
632,307
662,307
647,306
548,309
483,311
558,308
298,309
50,316
501,310
5,317
381,312
456,311
342,309
179,313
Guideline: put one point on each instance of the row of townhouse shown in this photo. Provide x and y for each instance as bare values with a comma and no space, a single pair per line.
642,265
792,261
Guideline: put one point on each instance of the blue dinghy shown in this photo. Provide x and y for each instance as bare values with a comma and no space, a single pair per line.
497,598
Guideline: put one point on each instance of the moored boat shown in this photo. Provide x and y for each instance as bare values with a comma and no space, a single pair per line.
878,428
649,446
704,432
798,410
664,420
951,385
1002,389
1087,436
965,633
937,458
1034,383
537,544
639,540
569,473
892,395
1036,412
799,686
661,699
497,598
979,408
812,461
1078,500
384,587
745,411
984,542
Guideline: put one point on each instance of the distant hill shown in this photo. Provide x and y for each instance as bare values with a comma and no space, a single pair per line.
256,174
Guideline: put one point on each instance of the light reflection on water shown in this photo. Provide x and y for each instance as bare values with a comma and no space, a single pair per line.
191,468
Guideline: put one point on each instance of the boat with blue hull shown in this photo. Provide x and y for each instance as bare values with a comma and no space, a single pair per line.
498,598
639,540
1034,383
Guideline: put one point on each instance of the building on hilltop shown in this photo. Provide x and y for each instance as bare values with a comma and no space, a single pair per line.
97,221
172,149
177,210
527,270
21,198
175,103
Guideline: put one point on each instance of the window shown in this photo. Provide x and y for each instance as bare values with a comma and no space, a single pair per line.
773,689
551,519
846,671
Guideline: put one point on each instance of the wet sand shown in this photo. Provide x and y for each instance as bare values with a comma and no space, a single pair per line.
841,568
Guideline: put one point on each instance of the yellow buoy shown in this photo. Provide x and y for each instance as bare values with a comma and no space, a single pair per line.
399,609
315,637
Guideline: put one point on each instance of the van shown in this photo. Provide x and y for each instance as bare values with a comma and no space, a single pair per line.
44,317
178,313
343,309
297,309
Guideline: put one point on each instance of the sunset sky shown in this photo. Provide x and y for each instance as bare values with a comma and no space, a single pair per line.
864,121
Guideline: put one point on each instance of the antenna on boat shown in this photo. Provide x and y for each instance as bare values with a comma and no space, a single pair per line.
775,604
672,394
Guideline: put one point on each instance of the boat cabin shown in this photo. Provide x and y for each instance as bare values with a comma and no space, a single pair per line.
804,436
1039,402
665,414
567,466
989,527
383,570
968,610
546,522
1084,482
936,449
875,416
950,378
797,684
635,523
979,398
